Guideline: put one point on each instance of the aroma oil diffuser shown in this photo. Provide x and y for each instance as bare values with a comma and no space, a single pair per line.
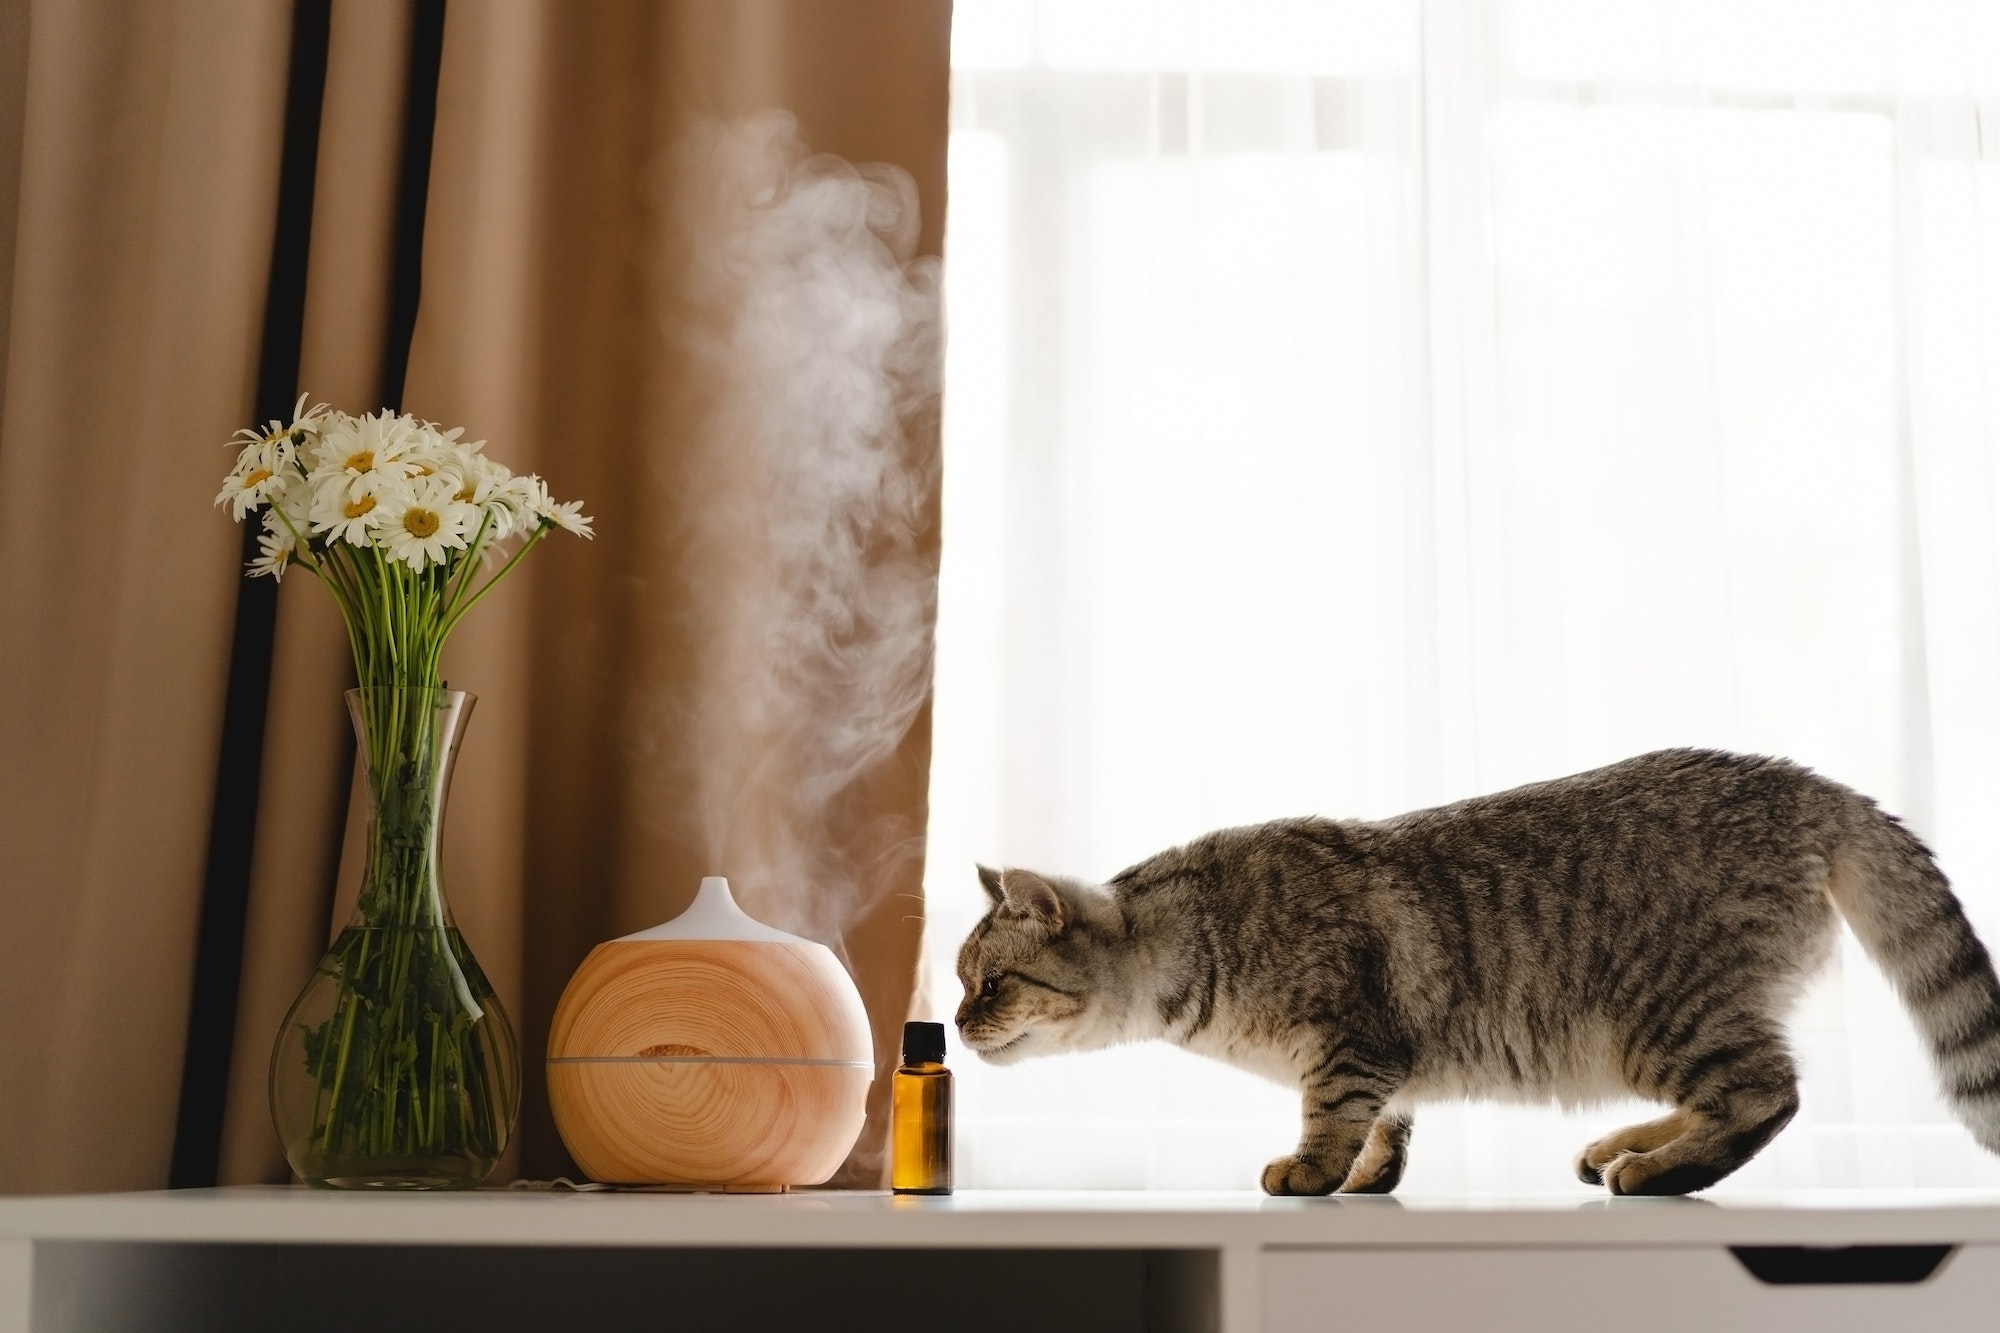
710,1052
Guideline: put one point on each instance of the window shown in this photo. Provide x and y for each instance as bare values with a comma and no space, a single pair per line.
1355,406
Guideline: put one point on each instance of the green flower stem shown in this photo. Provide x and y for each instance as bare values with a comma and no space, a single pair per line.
473,552
405,1077
457,614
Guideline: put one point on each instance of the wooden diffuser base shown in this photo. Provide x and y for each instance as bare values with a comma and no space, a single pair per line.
739,1063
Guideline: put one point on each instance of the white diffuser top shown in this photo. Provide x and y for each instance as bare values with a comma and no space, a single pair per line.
714,915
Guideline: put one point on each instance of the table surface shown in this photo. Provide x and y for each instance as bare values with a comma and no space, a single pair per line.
996,1218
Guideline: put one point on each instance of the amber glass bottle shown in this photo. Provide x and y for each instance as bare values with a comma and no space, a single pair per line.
920,1124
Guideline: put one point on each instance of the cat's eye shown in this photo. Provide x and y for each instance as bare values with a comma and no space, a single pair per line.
989,987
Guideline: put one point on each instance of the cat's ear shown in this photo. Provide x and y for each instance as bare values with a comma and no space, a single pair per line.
989,879
1031,895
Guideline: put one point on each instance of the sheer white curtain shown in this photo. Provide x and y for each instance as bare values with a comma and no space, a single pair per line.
1357,405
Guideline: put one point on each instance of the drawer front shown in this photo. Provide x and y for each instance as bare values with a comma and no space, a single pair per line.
1673,1289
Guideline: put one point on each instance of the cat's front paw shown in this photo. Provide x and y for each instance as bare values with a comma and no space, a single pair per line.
1659,1173
1298,1175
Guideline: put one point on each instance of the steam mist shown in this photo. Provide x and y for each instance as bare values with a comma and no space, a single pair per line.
815,342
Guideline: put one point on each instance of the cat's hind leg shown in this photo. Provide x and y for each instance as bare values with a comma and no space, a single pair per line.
1731,1100
1379,1168
1590,1163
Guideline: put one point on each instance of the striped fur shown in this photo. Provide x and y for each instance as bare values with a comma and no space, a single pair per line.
1642,928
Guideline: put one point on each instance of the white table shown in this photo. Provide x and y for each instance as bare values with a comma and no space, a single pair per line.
1236,1263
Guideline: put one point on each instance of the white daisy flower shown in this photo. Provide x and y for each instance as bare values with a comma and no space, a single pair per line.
265,460
423,520
491,488
448,440
276,553
476,482
475,474
357,456
261,470
291,508
511,501
569,516
546,512
431,450
306,425
345,516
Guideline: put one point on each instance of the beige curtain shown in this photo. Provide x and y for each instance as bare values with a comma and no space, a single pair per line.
148,150
148,142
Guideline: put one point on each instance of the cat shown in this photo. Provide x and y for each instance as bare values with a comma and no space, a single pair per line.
1642,928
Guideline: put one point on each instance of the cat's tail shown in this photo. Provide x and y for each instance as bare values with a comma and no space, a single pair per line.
1902,909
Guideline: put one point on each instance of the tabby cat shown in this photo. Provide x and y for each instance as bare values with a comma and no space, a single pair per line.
1638,929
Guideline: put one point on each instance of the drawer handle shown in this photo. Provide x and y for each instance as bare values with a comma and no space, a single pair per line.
1822,1265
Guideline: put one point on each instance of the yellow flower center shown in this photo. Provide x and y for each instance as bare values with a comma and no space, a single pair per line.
423,469
356,508
464,493
363,461
256,476
420,522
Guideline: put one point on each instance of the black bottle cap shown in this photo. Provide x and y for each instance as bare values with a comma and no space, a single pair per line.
923,1043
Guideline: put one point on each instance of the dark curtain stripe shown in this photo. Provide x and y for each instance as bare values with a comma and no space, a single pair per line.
232,825
413,178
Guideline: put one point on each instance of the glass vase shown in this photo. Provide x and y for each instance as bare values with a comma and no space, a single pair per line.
396,1067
